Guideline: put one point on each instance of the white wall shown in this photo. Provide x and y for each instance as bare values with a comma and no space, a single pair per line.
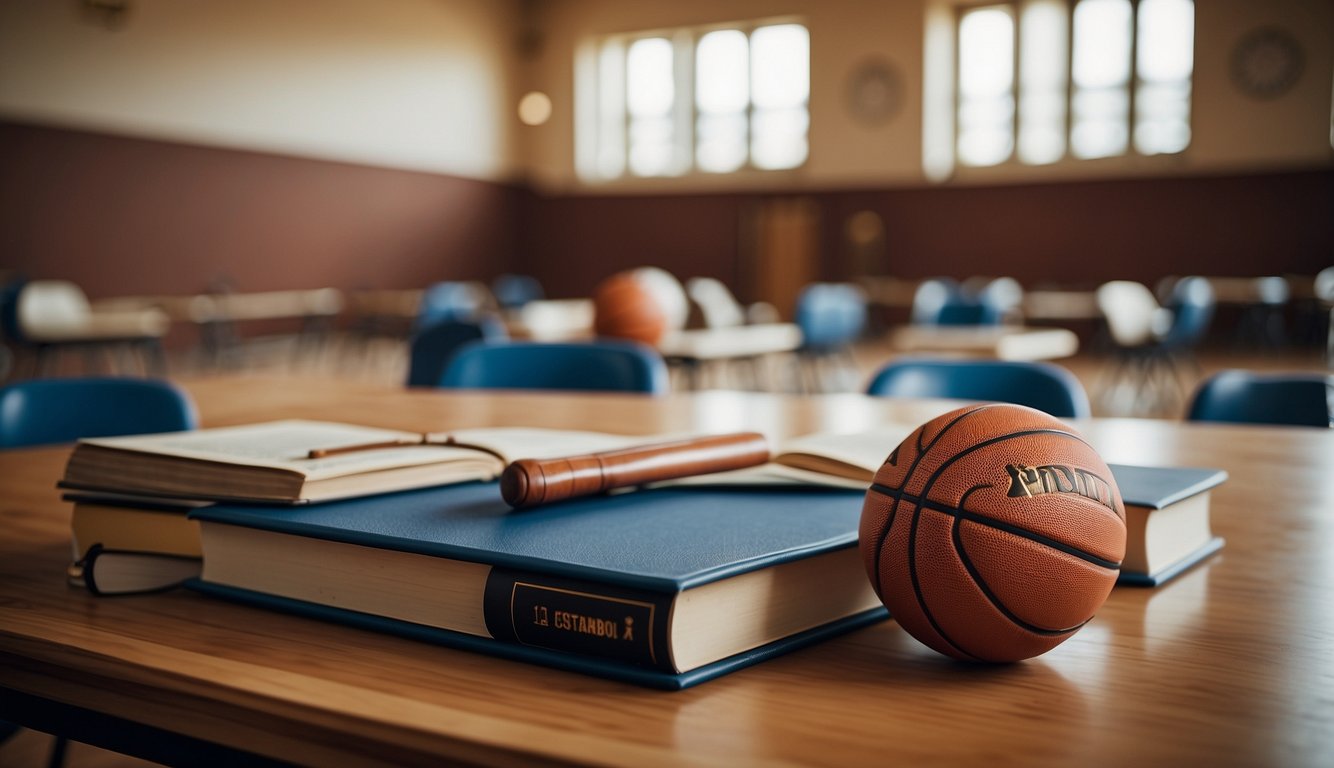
431,84
1231,132
417,84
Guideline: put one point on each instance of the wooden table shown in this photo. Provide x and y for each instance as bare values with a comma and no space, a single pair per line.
1002,342
1233,664
693,349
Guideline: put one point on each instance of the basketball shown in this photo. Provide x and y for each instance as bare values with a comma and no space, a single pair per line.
993,533
625,308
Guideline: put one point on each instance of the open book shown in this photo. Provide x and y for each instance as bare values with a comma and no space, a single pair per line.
271,462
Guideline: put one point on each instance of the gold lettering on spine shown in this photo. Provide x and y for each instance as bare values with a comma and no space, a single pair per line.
573,622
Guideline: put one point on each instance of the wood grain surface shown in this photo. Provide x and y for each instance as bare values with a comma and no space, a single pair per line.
1232,664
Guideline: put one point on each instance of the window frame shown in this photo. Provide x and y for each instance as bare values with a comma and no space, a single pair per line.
1067,157
685,110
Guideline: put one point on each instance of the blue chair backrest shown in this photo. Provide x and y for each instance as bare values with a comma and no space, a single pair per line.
603,365
431,348
42,411
1300,399
450,301
514,291
830,315
1043,386
943,301
1192,305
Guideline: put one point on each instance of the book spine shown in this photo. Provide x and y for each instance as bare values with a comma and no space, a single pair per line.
580,617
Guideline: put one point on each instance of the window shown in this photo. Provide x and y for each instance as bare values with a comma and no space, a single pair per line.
1042,80
715,100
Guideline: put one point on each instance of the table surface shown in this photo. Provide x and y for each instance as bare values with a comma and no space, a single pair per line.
1232,664
1004,342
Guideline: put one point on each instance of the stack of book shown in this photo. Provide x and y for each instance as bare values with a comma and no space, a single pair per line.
132,496
408,533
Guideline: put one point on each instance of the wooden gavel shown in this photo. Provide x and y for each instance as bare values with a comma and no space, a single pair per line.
529,482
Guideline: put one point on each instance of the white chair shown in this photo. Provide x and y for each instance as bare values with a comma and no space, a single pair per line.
1136,324
54,315
718,307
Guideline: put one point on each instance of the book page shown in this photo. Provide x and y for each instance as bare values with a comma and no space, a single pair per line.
853,455
513,443
838,460
286,444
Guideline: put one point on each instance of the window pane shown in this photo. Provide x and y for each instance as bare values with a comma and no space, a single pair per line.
778,138
1042,72
1166,43
722,76
721,142
1100,108
1165,60
610,152
780,66
986,86
1102,43
650,91
1101,122
780,87
651,147
722,94
649,86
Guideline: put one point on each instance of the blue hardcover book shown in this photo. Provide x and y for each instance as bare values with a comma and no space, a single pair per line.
664,588
1167,521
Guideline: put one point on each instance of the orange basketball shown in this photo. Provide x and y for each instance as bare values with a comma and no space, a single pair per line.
993,533
625,308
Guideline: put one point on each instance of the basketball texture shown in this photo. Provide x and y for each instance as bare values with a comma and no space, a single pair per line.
625,308
993,533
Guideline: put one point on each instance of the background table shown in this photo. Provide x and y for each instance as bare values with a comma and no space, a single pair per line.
1233,664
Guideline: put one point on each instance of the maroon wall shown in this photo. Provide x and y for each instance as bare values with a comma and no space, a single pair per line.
129,216
132,216
1068,232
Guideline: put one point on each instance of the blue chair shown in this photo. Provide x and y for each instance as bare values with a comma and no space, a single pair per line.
431,348
934,298
943,301
621,366
1043,386
831,317
514,291
42,411
1243,397
452,300
1192,305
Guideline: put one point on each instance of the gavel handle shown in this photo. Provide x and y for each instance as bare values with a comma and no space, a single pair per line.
529,482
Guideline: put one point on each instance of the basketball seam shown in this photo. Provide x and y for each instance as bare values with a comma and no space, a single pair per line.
922,451
931,481
991,596
926,489
999,525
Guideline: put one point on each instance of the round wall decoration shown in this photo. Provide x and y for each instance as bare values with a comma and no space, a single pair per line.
875,91
1266,62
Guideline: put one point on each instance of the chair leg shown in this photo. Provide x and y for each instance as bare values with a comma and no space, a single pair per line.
58,749
155,358
45,358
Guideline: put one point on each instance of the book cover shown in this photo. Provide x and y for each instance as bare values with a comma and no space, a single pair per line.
1168,529
593,585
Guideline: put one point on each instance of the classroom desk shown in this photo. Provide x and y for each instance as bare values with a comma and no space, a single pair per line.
1232,664
1002,342
693,349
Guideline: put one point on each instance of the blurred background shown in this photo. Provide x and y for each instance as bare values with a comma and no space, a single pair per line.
300,186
